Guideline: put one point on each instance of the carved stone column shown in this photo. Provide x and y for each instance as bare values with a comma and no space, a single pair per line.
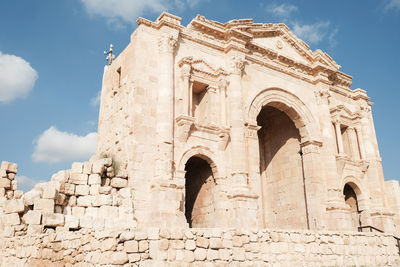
165,108
166,192
213,97
222,101
353,143
313,183
186,89
238,146
360,142
339,138
244,201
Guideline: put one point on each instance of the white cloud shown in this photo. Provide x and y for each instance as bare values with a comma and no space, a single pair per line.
17,77
312,33
282,10
54,146
26,183
392,4
117,11
95,101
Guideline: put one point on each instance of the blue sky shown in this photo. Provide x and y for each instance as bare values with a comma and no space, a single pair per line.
51,65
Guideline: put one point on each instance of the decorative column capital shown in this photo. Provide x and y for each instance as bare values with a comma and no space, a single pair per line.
222,84
236,65
322,96
364,111
167,44
185,70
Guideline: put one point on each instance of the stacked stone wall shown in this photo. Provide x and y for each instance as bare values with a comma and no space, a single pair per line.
89,196
199,247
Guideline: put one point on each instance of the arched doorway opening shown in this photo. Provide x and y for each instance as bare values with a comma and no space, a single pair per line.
199,193
350,198
281,168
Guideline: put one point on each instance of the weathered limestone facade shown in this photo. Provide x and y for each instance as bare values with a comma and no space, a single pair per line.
276,124
205,130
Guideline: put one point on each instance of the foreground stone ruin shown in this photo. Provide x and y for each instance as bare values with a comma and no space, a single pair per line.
218,145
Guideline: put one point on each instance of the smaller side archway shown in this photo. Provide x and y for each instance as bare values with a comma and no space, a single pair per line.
351,195
200,172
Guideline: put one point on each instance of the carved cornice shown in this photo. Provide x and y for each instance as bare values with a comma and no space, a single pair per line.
239,35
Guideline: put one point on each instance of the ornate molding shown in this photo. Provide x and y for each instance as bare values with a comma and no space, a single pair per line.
167,44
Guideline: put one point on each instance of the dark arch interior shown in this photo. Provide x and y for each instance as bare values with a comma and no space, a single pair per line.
281,170
199,193
350,197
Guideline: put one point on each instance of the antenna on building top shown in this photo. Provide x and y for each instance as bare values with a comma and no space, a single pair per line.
110,56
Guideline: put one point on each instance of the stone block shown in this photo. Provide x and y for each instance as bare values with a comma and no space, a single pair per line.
109,244
108,212
143,245
49,191
94,179
11,176
82,190
53,219
78,178
119,182
105,190
2,192
215,243
94,189
202,242
119,257
91,211
35,229
86,222
131,246
13,206
190,244
14,185
127,235
200,254
60,198
5,183
18,194
11,219
84,201
3,173
98,167
31,196
67,188
72,222
87,167
9,166
44,205
32,217
77,167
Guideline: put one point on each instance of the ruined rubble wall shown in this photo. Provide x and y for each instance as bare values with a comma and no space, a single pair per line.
199,247
88,196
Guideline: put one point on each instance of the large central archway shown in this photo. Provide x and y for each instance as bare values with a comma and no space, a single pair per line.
281,170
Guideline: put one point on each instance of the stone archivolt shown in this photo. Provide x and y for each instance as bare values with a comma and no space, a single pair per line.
215,125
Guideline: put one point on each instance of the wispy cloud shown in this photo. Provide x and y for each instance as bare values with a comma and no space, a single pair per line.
17,77
118,12
54,146
392,4
95,101
283,10
312,33
26,183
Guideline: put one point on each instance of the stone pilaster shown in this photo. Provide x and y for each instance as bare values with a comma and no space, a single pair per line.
313,182
165,108
244,201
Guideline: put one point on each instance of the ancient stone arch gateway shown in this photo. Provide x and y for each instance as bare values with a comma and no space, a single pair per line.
238,131
240,125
